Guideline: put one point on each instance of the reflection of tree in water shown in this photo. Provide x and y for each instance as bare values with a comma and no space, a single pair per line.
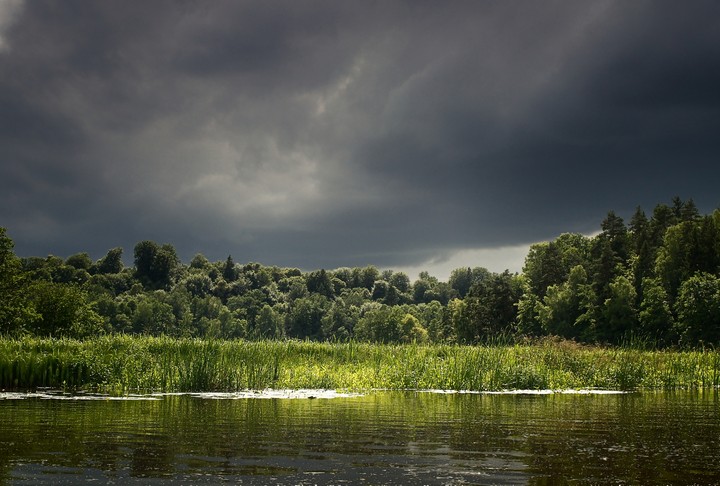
641,438
386,437
153,457
5,468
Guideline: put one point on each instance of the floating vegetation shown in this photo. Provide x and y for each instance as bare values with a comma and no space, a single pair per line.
307,394
122,364
60,395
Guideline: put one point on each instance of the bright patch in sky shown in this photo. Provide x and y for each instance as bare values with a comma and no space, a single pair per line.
9,10
498,260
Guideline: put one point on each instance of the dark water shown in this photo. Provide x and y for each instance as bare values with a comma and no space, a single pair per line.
380,438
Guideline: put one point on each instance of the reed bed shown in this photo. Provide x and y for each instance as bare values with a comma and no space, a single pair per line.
124,364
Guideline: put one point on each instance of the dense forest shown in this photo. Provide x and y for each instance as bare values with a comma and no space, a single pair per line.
654,280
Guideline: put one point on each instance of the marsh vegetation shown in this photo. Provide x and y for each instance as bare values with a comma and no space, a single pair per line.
637,306
123,364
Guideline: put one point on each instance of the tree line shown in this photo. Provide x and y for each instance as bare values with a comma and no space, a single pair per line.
656,279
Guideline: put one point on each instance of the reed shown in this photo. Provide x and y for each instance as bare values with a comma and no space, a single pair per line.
123,364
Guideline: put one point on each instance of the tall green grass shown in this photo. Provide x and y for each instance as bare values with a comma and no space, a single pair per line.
122,364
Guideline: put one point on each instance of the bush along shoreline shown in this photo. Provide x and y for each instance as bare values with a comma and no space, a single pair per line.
636,306
656,278
121,364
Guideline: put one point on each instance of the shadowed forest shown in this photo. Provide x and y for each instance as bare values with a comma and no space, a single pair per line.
654,281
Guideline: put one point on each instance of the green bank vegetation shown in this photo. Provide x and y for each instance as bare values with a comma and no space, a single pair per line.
165,325
123,364
656,279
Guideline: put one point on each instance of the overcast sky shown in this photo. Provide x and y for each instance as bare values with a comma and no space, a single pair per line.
408,135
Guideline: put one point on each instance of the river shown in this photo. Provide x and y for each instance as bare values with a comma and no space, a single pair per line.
380,437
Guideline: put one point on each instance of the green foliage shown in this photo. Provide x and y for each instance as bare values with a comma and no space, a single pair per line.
269,324
648,282
340,320
257,276
549,263
618,315
153,316
155,265
567,309
491,307
365,277
615,233
435,319
197,284
381,324
111,262
400,281
634,277
116,283
304,319
543,267
423,289
698,310
62,310
655,317
229,273
16,309
463,327
688,248
319,283
412,330
462,279
79,261
528,310
200,262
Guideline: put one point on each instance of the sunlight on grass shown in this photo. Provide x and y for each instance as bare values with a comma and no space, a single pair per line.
124,364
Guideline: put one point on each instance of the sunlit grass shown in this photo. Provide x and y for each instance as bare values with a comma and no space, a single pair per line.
122,364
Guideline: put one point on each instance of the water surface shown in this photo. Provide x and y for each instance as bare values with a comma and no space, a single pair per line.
378,438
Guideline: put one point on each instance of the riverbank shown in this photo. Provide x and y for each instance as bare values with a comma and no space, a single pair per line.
124,364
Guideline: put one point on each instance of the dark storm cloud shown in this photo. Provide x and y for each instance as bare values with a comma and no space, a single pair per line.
321,134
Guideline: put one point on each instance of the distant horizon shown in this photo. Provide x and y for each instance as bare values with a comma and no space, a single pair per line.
496,260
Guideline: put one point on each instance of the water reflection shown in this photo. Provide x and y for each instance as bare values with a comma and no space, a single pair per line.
380,438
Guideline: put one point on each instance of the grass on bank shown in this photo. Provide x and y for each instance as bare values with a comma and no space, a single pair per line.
122,364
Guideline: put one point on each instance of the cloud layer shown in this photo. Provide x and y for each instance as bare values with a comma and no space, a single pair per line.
325,134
